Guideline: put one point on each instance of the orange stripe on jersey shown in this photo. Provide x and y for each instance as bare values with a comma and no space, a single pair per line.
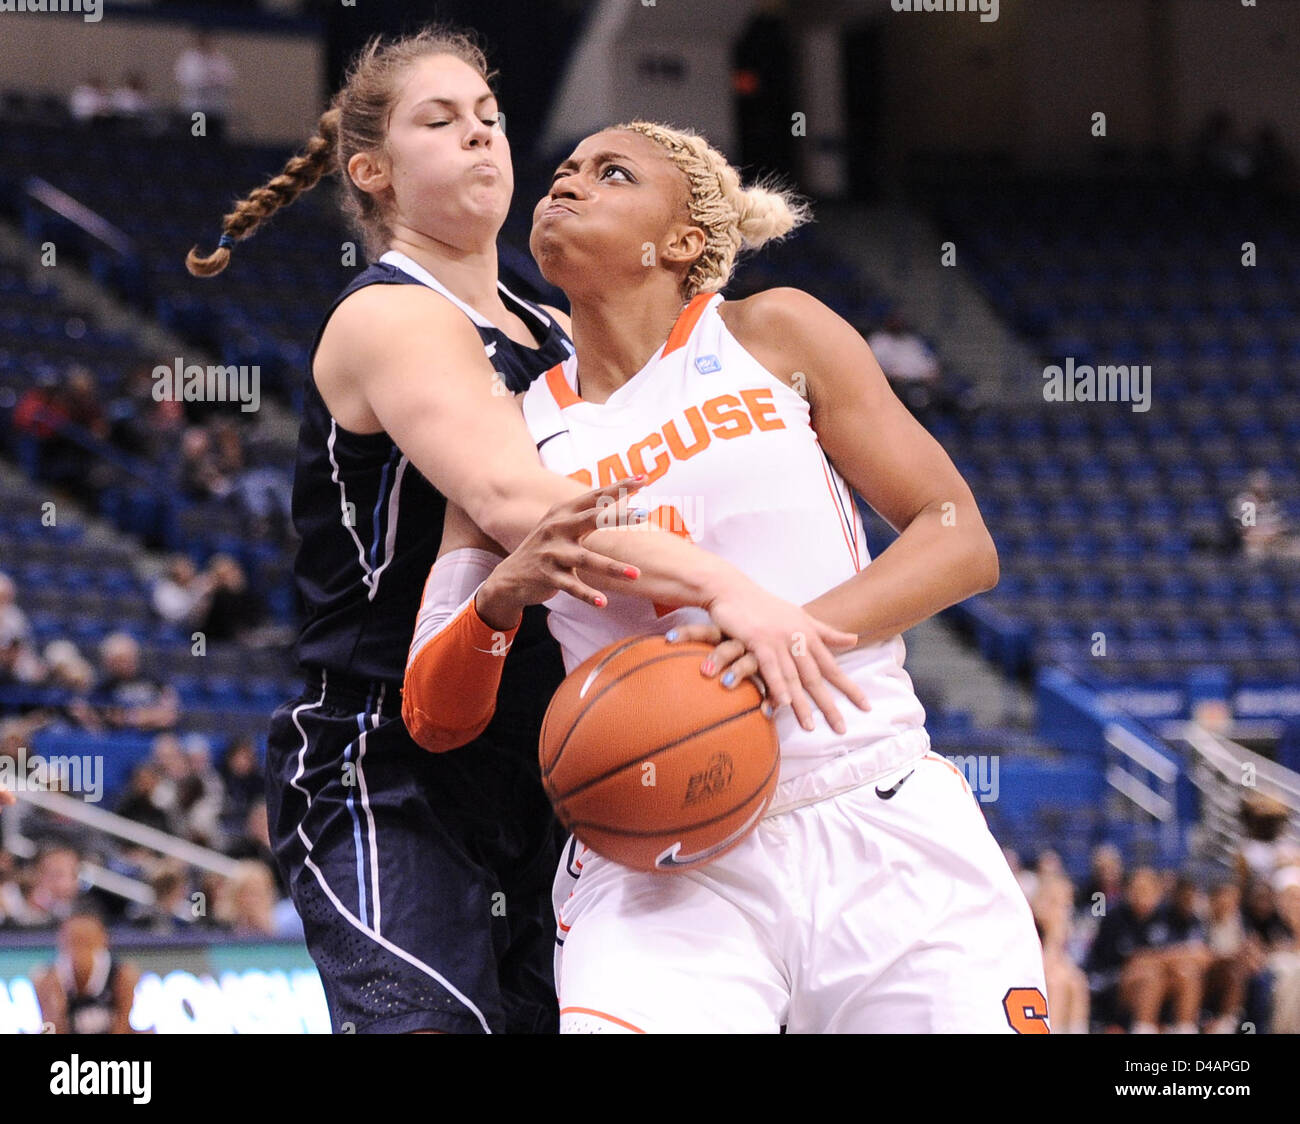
560,389
839,516
686,322
601,1015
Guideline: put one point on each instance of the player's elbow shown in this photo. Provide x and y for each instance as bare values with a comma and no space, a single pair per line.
499,512
431,735
985,569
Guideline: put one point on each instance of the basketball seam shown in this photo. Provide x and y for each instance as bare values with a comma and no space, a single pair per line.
686,652
655,752
622,647
630,833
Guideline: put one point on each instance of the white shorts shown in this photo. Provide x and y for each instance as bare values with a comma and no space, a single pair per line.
859,913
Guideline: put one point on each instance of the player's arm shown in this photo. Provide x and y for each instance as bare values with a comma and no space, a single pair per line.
128,975
52,1000
472,606
943,553
444,408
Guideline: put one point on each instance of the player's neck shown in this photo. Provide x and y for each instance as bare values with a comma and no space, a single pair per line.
615,333
469,271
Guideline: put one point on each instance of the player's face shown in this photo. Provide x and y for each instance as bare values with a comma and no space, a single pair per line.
448,160
614,206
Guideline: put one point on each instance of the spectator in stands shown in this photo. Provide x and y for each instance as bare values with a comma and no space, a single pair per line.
13,621
200,796
254,842
10,895
909,363
126,698
1260,522
247,904
1265,931
19,661
169,912
1259,913
90,101
234,610
143,800
245,783
1067,986
1284,958
206,78
49,895
1264,846
265,494
142,426
68,668
83,405
180,595
201,475
1225,978
40,417
1146,957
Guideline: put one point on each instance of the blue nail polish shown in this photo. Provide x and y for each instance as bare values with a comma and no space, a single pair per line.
729,679
671,635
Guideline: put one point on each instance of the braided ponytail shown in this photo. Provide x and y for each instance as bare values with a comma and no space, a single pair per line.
301,173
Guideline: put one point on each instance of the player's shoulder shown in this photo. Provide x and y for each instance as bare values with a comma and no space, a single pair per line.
381,308
560,316
774,316
388,320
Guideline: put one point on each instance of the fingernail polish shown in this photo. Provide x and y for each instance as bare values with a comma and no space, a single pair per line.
729,679
707,667
631,572
600,600
671,635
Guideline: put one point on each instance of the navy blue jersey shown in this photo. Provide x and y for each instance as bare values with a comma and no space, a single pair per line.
371,524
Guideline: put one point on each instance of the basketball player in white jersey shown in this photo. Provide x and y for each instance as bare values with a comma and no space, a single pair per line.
872,896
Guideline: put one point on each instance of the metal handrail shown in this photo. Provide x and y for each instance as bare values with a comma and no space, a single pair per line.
110,823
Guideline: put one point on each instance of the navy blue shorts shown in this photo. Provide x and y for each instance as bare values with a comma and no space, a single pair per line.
423,880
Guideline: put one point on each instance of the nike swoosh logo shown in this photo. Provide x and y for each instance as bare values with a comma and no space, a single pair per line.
553,435
671,858
892,791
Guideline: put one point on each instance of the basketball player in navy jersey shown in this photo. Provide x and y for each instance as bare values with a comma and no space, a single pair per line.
87,990
423,880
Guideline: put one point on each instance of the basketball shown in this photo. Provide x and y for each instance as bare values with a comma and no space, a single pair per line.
653,765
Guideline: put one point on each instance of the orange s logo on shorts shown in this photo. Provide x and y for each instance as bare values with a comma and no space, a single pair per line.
1026,1010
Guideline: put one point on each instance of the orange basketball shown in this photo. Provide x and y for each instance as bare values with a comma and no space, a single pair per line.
653,765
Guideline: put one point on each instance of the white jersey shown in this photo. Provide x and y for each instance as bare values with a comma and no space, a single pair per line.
733,463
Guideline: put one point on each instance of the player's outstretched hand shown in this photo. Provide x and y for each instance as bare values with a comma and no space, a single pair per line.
547,561
757,632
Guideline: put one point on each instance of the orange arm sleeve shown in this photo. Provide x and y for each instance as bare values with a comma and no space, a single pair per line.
450,689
